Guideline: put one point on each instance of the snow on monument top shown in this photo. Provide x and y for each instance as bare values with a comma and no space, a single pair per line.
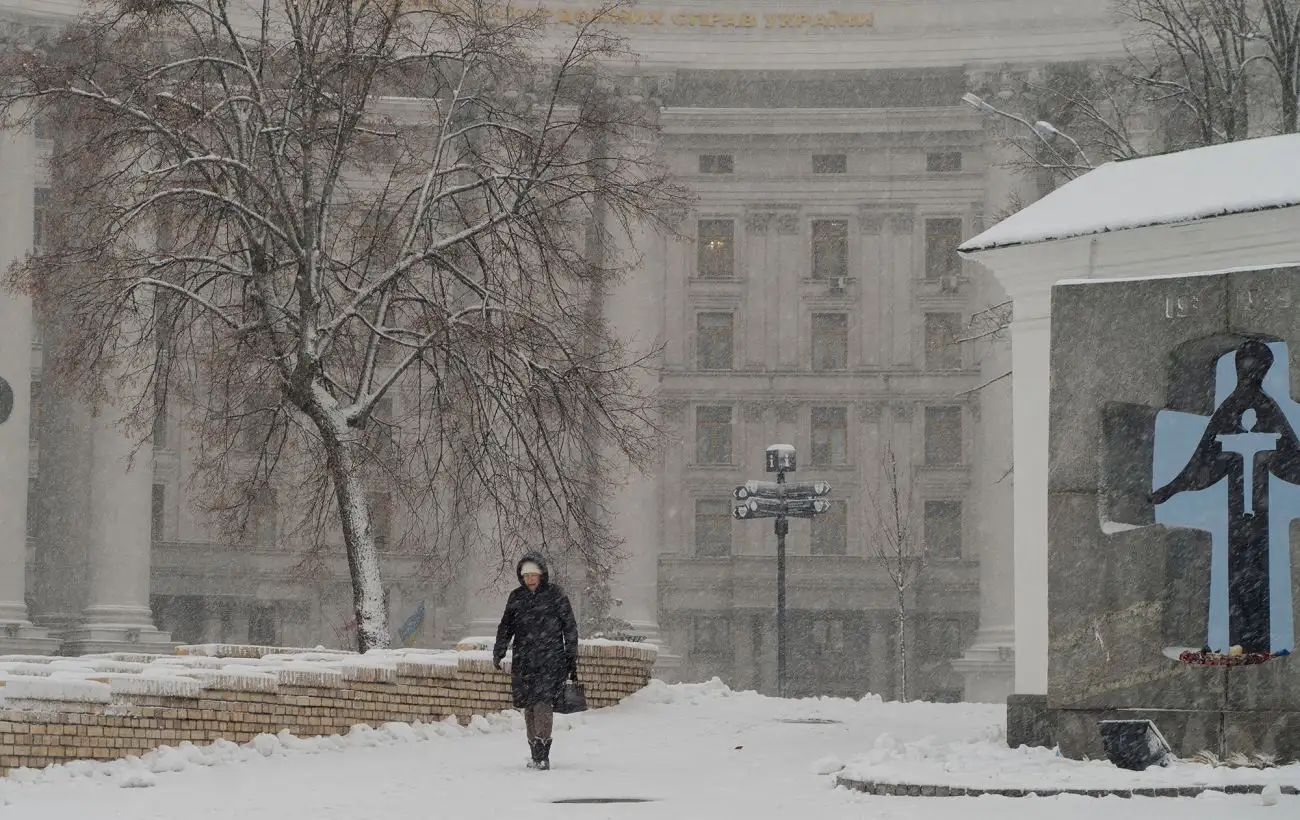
1233,178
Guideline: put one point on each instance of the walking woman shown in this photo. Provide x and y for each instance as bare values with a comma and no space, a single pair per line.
539,620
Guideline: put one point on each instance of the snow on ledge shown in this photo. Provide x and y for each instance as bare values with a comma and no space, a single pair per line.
1167,189
117,677
71,690
228,681
229,650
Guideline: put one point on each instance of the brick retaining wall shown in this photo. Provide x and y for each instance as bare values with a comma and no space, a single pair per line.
109,706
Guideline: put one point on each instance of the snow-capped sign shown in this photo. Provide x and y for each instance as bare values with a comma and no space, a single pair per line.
780,458
1218,180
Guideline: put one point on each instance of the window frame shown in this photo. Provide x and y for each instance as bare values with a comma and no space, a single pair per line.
718,628
716,164
833,246
931,552
699,531
708,269
931,415
819,522
838,163
815,346
700,335
702,424
942,262
933,159
841,424
947,356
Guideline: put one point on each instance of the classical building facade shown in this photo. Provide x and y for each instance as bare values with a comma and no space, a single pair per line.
816,299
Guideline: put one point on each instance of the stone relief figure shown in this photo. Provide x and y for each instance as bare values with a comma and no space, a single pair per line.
1240,480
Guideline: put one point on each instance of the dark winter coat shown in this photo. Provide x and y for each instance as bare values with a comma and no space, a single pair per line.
545,636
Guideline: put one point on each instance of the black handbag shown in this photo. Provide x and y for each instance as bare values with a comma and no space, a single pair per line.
572,698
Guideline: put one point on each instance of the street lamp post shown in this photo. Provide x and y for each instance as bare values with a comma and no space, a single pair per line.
782,501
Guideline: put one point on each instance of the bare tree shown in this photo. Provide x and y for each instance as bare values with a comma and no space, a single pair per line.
349,238
1198,72
894,543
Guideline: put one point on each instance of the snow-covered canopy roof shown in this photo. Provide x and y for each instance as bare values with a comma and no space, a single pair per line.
1234,178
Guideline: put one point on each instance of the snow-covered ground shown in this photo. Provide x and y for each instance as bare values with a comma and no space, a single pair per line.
699,751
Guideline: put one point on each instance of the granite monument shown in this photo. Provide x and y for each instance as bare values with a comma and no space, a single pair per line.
1173,491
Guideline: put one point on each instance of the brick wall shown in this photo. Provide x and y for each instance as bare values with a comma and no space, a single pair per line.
105,707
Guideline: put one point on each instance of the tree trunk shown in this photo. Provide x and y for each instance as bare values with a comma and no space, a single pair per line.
1290,108
358,538
902,646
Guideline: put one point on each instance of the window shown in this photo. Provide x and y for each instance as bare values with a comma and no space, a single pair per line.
945,638
263,625
711,635
40,217
943,530
257,422
261,528
830,163
942,350
830,341
942,236
830,435
380,426
381,517
713,435
713,341
160,429
943,162
157,512
712,527
830,531
41,128
716,248
942,435
828,636
830,248
717,164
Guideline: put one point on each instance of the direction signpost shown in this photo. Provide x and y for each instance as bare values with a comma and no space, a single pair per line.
782,501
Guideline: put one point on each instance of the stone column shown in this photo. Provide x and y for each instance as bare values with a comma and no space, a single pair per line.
17,183
1030,340
988,666
485,585
634,311
119,546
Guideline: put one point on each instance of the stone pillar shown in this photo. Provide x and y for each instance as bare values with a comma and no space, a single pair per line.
634,311
1030,340
17,183
988,666
117,616
485,585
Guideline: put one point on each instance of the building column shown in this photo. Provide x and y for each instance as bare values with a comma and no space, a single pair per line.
1030,340
988,666
485,583
17,184
117,616
634,311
